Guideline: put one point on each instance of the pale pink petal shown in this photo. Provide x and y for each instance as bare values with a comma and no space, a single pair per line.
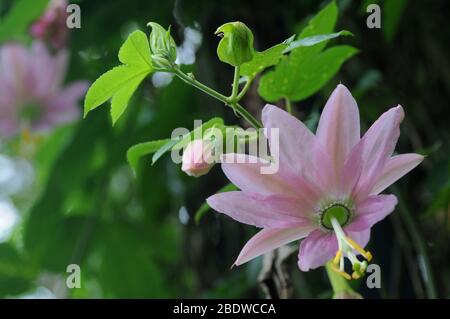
395,168
70,95
61,64
316,249
14,65
298,150
351,172
360,237
338,130
379,143
272,211
48,70
9,125
269,239
371,211
244,171
63,108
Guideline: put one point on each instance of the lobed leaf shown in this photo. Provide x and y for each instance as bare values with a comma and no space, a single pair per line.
135,50
110,83
297,78
263,60
122,81
315,39
308,67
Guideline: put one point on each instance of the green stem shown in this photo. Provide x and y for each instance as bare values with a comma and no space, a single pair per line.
246,114
235,86
245,89
213,93
192,81
288,105
339,284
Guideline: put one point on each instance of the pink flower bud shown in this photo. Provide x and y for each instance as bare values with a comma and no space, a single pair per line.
198,158
51,26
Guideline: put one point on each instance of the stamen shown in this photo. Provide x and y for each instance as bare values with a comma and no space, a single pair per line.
355,245
347,246
337,258
340,272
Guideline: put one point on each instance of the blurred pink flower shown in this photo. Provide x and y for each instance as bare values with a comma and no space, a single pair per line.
327,188
51,26
31,92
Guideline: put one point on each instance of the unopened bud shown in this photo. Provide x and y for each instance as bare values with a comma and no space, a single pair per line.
162,43
236,45
198,158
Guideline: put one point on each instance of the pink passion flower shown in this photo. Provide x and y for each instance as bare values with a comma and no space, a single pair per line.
31,93
327,189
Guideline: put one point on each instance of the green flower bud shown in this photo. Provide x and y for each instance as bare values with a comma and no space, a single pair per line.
236,46
161,62
162,43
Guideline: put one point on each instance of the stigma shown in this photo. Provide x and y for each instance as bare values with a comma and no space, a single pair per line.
347,248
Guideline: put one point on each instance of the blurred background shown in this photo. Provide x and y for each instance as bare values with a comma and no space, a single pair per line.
68,196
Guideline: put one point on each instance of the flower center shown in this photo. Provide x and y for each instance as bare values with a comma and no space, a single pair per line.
30,112
337,211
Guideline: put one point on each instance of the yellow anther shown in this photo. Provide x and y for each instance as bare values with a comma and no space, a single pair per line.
337,258
26,135
366,254
356,275
342,273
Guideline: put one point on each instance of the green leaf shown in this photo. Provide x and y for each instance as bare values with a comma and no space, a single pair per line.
136,50
16,274
120,100
271,56
308,67
165,148
393,13
263,60
315,39
297,78
214,122
323,22
204,208
122,81
108,84
16,23
135,152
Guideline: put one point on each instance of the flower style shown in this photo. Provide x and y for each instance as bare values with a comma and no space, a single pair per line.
327,188
31,93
